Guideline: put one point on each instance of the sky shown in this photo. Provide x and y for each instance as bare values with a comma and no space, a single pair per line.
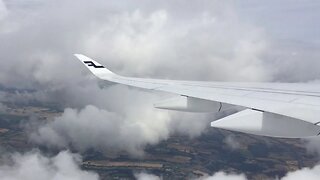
264,41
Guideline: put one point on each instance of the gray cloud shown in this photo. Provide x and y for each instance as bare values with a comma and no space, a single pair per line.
163,45
232,142
34,166
146,41
287,19
3,10
2,108
312,145
209,42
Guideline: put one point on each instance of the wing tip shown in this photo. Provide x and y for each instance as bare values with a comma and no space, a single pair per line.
81,57
78,55
95,67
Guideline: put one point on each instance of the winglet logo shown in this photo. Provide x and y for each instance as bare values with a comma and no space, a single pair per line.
90,63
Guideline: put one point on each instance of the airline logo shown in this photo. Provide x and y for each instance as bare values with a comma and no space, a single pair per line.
90,63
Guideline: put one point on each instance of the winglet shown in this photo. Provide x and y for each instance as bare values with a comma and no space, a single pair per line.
96,68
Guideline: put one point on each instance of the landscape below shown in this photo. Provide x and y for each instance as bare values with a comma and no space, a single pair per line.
178,157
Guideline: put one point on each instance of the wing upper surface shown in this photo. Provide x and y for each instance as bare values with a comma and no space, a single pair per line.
300,101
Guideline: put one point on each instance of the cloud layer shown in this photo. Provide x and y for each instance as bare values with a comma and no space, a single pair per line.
305,173
209,42
199,40
148,41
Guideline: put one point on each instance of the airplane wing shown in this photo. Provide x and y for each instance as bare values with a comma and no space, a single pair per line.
287,110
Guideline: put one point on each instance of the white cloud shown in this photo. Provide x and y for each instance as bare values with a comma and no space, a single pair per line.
145,176
128,124
224,176
100,129
305,173
35,166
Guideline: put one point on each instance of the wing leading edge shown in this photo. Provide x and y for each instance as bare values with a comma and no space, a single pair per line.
272,109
